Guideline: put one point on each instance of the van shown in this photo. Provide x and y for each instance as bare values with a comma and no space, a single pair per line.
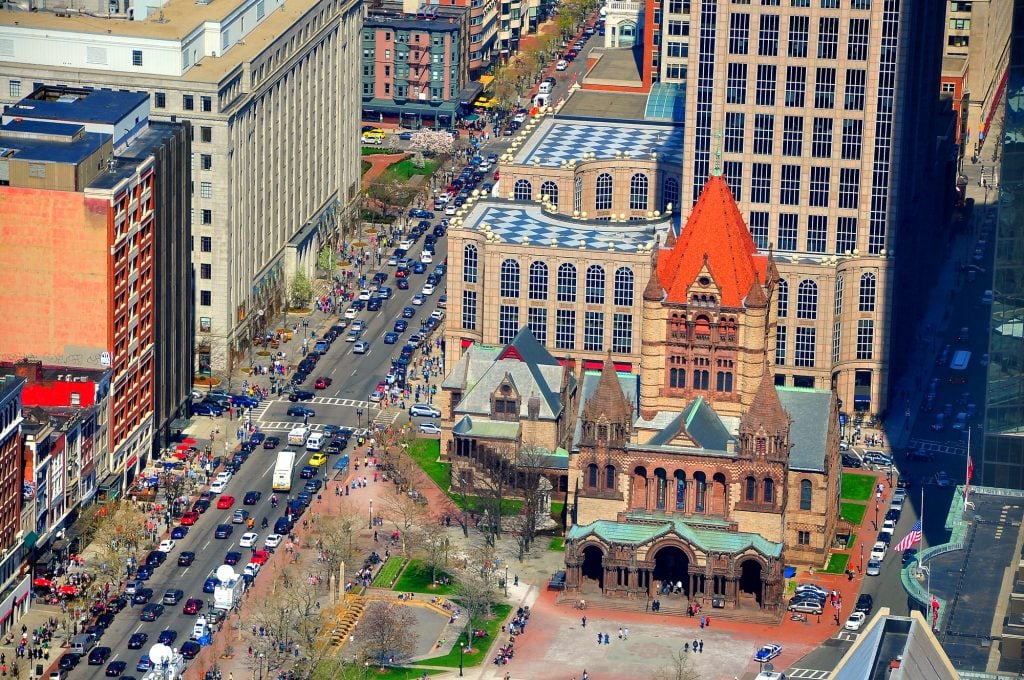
544,88
373,137
960,360
877,458
315,441
199,629
82,644
298,436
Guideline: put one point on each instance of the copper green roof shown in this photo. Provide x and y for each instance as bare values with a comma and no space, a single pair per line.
705,538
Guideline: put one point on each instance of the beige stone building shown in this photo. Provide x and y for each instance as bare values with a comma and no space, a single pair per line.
271,90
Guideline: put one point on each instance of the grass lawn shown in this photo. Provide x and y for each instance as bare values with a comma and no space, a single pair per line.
332,669
837,563
852,512
857,487
557,544
364,165
851,542
416,579
509,506
388,573
557,509
426,452
492,625
403,170
376,151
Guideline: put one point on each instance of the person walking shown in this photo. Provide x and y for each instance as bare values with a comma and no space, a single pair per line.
584,621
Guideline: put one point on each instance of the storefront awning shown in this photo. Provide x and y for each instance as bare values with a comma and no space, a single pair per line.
469,92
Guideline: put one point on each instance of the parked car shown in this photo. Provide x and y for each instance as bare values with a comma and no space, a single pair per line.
301,411
865,603
767,652
856,621
424,410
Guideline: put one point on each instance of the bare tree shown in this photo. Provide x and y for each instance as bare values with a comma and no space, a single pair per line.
433,550
493,487
678,668
409,517
387,632
335,536
527,474
119,536
290,623
475,582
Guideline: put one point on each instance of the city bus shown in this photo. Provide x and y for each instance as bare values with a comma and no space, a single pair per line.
283,471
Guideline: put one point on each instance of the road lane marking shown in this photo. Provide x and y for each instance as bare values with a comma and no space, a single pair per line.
207,545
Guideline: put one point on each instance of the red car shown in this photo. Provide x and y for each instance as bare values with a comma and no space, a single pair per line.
192,606
497,174
322,383
225,502
259,557
189,518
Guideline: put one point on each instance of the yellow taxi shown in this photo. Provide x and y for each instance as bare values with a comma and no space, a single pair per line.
317,459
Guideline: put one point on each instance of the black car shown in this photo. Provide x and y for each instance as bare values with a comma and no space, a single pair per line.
307,472
115,668
167,636
68,661
117,604
893,514
865,603
137,640
884,537
99,655
190,649
185,558
851,461
313,485
201,505
142,595
223,531
909,555
282,526
920,455
251,497
337,445
232,557
151,612
301,411
104,620
271,442
144,572
301,395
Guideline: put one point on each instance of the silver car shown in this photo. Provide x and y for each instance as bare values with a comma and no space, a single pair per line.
361,347
806,607
874,568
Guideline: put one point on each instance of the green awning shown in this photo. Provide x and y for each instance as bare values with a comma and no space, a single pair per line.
30,539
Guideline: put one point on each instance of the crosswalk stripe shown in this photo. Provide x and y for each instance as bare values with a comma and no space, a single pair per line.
808,673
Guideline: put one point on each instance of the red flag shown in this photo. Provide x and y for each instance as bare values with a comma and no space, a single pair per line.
935,611
970,468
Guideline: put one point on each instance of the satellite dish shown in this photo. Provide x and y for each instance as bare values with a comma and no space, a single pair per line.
225,573
160,654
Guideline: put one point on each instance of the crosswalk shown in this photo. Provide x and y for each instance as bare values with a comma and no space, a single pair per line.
846,636
259,413
388,416
948,448
808,673
335,401
286,425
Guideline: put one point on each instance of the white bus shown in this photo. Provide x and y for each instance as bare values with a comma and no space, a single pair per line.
283,471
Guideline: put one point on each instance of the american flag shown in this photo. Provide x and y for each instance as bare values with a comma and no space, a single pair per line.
910,539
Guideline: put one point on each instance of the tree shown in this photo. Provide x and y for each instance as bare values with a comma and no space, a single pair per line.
335,539
119,537
493,487
301,290
409,517
387,632
679,668
290,619
437,142
528,477
433,550
325,259
475,583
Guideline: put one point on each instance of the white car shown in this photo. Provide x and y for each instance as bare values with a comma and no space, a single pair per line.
888,527
405,245
217,486
878,551
361,347
224,477
437,314
561,65
418,299
519,118
451,209
350,313
393,261
248,539
426,257
364,295
272,541
429,428
251,569
855,621
166,546
428,289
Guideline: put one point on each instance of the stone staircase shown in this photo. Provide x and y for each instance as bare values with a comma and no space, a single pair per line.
671,608
346,619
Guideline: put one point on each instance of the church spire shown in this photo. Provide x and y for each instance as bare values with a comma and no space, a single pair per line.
766,413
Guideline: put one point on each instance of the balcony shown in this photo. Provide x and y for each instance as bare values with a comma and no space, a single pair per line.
620,7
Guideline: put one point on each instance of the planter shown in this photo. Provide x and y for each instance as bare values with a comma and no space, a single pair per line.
205,381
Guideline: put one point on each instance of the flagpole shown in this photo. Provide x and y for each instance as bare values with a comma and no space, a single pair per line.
967,469
920,551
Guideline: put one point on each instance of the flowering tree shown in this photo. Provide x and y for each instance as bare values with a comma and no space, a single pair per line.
437,142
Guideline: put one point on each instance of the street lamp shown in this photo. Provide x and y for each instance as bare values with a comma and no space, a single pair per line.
877,499
920,568
462,650
371,513
359,417
262,656
506,580
862,558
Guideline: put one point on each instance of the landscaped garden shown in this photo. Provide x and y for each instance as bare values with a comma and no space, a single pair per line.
388,574
857,487
478,652
417,578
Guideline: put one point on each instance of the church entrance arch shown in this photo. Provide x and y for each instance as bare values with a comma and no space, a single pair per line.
593,565
671,571
751,586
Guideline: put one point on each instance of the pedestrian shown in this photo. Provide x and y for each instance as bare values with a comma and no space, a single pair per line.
584,621
625,633
702,646
695,644
606,641
702,623
707,621
620,633
599,639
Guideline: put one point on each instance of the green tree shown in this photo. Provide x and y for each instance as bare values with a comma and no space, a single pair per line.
325,259
301,290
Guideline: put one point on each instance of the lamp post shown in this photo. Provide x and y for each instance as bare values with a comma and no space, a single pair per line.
877,501
262,656
462,650
359,417
920,568
371,513
506,580
862,558
305,326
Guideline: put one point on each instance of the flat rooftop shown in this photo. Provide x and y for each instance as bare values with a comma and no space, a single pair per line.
527,224
601,105
141,148
44,142
94,106
619,66
564,139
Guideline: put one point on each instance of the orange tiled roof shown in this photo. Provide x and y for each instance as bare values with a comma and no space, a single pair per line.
715,230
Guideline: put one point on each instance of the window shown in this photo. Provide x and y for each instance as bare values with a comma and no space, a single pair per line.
839,295
14,88
768,36
205,298
595,285
537,320
609,476
750,489
603,195
780,345
205,271
805,494
159,100
857,42
739,33
796,85
549,190
523,190
807,300
868,290
206,189
565,328
849,187
764,94
798,29
622,333
205,134
764,133
769,491
469,310
577,194
736,85
593,331
825,88
828,38
509,278
821,138
205,161
793,136
638,192
759,229
538,281
837,344
782,299
623,287
817,233
206,103
803,537
677,376
723,381
508,323
469,263
846,235
566,283
865,338
853,134
821,179
789,188
207,216
855,88
206,244
592,475
804,346
188,102
761,183
670,193
734,124
701,378
136,57
733,172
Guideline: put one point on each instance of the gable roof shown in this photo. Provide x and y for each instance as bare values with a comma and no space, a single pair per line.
700,422
811,411
715,235
525,347
641,528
